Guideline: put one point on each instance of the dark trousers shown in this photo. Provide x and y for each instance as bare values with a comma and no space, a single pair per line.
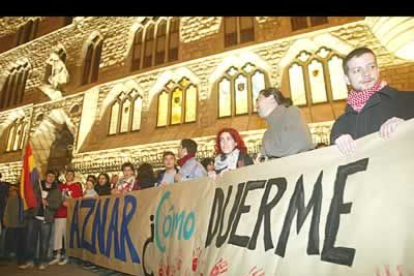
3,252
38,232
15,242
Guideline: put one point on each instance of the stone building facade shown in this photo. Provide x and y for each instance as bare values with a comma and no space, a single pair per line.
138,85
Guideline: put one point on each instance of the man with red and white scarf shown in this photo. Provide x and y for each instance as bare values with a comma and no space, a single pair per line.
190,168
372,105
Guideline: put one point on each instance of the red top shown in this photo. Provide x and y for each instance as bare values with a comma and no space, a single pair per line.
73,190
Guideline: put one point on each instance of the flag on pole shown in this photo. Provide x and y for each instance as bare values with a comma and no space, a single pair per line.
30,176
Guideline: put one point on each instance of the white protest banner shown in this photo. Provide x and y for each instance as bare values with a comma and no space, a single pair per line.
315,213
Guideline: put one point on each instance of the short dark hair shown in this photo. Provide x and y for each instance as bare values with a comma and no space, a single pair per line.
51,172
190,145
355,53
128,164
166,153
207,161
277,95
104,175
93,182
15,185
70,171
91,176
146,173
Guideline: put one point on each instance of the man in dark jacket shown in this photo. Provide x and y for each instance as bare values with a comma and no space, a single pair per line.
15,223
372,104
41,218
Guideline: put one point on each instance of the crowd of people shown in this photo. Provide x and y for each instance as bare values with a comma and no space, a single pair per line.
372,106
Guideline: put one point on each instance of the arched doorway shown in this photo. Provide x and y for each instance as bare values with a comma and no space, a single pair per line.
61,150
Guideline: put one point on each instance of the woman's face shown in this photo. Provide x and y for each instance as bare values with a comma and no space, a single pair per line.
227,143
101,180
89,185
128,172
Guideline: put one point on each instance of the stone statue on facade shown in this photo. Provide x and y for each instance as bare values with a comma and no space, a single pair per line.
59,76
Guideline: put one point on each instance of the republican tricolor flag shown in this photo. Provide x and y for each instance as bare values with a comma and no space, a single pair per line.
30,177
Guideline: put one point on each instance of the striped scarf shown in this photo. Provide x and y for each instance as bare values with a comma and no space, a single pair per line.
358,99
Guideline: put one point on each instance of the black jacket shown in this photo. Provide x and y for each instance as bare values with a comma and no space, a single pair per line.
383,105
104,189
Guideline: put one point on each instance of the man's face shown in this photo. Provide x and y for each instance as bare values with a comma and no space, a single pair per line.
182,151
363,72
265,105
69,177
169,161
50,178
13,191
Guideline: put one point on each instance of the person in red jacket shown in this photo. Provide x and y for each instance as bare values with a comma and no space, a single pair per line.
70,189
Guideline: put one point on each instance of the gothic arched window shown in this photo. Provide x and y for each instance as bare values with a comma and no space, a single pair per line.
316,78
92,60
157,44
177,103
16,135
126,113
13,88
238,89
